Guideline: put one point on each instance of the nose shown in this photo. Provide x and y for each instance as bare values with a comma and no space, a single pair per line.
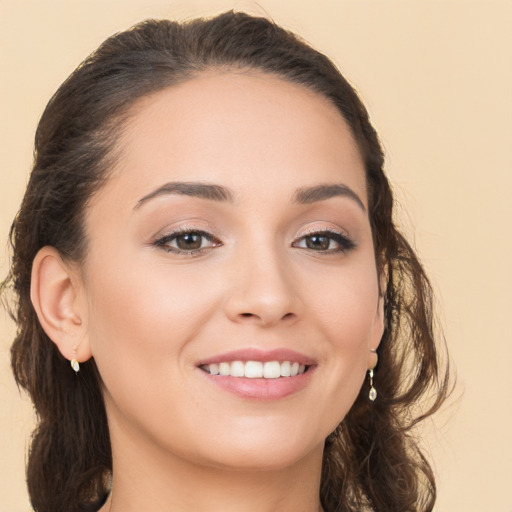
263,291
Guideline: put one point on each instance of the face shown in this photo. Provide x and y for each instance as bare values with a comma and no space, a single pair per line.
230,286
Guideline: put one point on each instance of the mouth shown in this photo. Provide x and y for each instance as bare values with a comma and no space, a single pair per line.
258,374
256,369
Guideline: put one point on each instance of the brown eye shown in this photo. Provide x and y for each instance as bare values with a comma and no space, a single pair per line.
325,241
318,243
187,242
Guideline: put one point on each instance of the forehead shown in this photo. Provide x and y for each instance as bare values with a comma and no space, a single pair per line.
245,130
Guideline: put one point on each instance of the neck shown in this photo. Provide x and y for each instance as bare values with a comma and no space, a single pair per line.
151,479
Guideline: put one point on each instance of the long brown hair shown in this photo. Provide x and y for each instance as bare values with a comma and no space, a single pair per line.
372,461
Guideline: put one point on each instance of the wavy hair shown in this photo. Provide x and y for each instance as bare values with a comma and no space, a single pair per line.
372,461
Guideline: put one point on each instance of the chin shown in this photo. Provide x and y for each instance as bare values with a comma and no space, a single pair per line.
263,453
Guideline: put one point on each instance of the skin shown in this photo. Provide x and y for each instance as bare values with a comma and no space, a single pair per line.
148,314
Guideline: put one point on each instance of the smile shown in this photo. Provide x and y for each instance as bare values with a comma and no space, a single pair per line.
256,369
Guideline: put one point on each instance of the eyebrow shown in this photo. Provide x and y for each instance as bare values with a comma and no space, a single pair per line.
194,189
212,192
309,195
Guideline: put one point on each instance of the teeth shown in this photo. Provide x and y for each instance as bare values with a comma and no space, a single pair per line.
237,369
253,370
224,369
286,369
256,369
272,370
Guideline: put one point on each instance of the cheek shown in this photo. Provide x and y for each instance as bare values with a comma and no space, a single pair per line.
349,322
346,306
140,319
142,332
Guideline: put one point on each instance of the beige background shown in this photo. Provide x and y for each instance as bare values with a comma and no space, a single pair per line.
437,78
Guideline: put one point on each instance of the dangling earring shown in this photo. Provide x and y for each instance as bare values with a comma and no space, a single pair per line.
74,363
372,395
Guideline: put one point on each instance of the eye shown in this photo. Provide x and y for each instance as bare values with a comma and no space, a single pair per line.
325,241
187,242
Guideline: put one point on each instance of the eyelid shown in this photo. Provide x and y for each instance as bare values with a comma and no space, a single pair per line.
323,229
185,226
317,230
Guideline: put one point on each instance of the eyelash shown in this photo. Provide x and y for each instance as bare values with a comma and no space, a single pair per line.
344,242
164,241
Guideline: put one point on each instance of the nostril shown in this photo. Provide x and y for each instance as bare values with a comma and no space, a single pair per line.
249,315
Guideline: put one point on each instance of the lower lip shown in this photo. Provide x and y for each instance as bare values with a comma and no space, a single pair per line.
261,389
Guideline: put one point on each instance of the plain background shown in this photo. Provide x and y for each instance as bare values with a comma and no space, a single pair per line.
437,79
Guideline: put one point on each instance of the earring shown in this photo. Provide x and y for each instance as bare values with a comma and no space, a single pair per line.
372,395
74,363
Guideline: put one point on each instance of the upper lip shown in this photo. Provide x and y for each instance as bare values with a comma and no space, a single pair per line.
257,354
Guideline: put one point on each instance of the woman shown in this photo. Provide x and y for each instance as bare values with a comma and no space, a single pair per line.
207,237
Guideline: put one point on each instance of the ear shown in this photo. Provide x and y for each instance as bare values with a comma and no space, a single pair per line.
55,290
380,319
